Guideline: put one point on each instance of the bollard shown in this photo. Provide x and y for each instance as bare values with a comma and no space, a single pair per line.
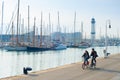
108,54
25,70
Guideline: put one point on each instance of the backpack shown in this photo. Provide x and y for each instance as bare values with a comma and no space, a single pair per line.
95,54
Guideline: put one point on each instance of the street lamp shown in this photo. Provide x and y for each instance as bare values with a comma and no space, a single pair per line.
108,25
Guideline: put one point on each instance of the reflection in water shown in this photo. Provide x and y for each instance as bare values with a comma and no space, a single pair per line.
12,63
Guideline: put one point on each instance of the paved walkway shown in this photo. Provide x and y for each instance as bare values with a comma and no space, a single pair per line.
107,69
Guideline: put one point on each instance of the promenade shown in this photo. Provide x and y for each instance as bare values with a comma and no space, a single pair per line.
106,69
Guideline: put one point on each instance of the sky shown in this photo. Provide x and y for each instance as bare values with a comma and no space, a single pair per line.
101,10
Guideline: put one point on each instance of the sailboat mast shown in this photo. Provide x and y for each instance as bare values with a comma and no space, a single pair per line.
81,31
117,34
19,29
12,32
37,37
58,28
100,33
74,27
50,26
58,23
23,30
2,20
41,32
28,25
34,32
18,20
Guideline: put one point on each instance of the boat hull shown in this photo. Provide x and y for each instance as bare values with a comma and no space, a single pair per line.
16,48
37,49
83,46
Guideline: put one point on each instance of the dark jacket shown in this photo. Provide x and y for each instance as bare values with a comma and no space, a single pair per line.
86,55
94,54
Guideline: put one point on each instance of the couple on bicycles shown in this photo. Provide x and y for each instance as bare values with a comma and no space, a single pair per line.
93,56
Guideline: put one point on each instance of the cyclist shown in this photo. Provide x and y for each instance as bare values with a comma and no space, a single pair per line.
86,57
94,55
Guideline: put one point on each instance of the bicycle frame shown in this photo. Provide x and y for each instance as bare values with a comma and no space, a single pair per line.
85,64
93,63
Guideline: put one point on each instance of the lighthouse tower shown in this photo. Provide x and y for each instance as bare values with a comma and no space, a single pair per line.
92,31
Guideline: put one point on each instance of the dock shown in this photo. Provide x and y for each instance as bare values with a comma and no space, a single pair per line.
106,69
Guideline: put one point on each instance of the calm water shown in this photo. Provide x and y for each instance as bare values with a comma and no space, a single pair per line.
12,63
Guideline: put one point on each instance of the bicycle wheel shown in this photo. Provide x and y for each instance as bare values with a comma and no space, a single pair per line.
83,66
94,64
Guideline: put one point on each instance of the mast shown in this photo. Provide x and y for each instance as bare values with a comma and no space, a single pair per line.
28,26
58,28
117,34
2,20
37,37
85,36
12,32
18,20
100,33
34,32
74,27
19,29
50,26
65,32
23,30
58,23
81,31
41,32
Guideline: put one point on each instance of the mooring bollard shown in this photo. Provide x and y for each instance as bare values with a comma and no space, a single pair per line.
25,70
108,54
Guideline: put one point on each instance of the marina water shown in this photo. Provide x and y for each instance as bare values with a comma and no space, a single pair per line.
12,63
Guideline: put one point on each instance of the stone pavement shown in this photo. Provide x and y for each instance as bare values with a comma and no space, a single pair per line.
106,69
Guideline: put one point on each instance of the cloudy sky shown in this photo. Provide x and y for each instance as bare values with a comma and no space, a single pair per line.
101,10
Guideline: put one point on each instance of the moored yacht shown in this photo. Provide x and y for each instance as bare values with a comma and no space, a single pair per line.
59,47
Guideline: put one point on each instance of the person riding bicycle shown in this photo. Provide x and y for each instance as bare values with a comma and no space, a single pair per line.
94,55
86,57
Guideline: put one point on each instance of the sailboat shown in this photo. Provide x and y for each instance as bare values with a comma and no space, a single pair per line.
73,44
13,46
17,45
58,45
41,47
83,43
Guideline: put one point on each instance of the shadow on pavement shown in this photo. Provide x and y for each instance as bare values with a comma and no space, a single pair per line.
34,75
105,70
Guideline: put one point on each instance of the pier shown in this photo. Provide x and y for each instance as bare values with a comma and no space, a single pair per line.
106,69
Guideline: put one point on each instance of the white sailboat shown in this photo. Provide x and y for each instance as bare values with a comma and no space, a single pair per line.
60,47
17,45
58,44
83,43
73,43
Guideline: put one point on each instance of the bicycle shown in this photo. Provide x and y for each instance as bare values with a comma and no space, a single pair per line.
93,63
85,65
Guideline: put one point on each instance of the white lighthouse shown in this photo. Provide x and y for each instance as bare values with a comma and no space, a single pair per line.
92,31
